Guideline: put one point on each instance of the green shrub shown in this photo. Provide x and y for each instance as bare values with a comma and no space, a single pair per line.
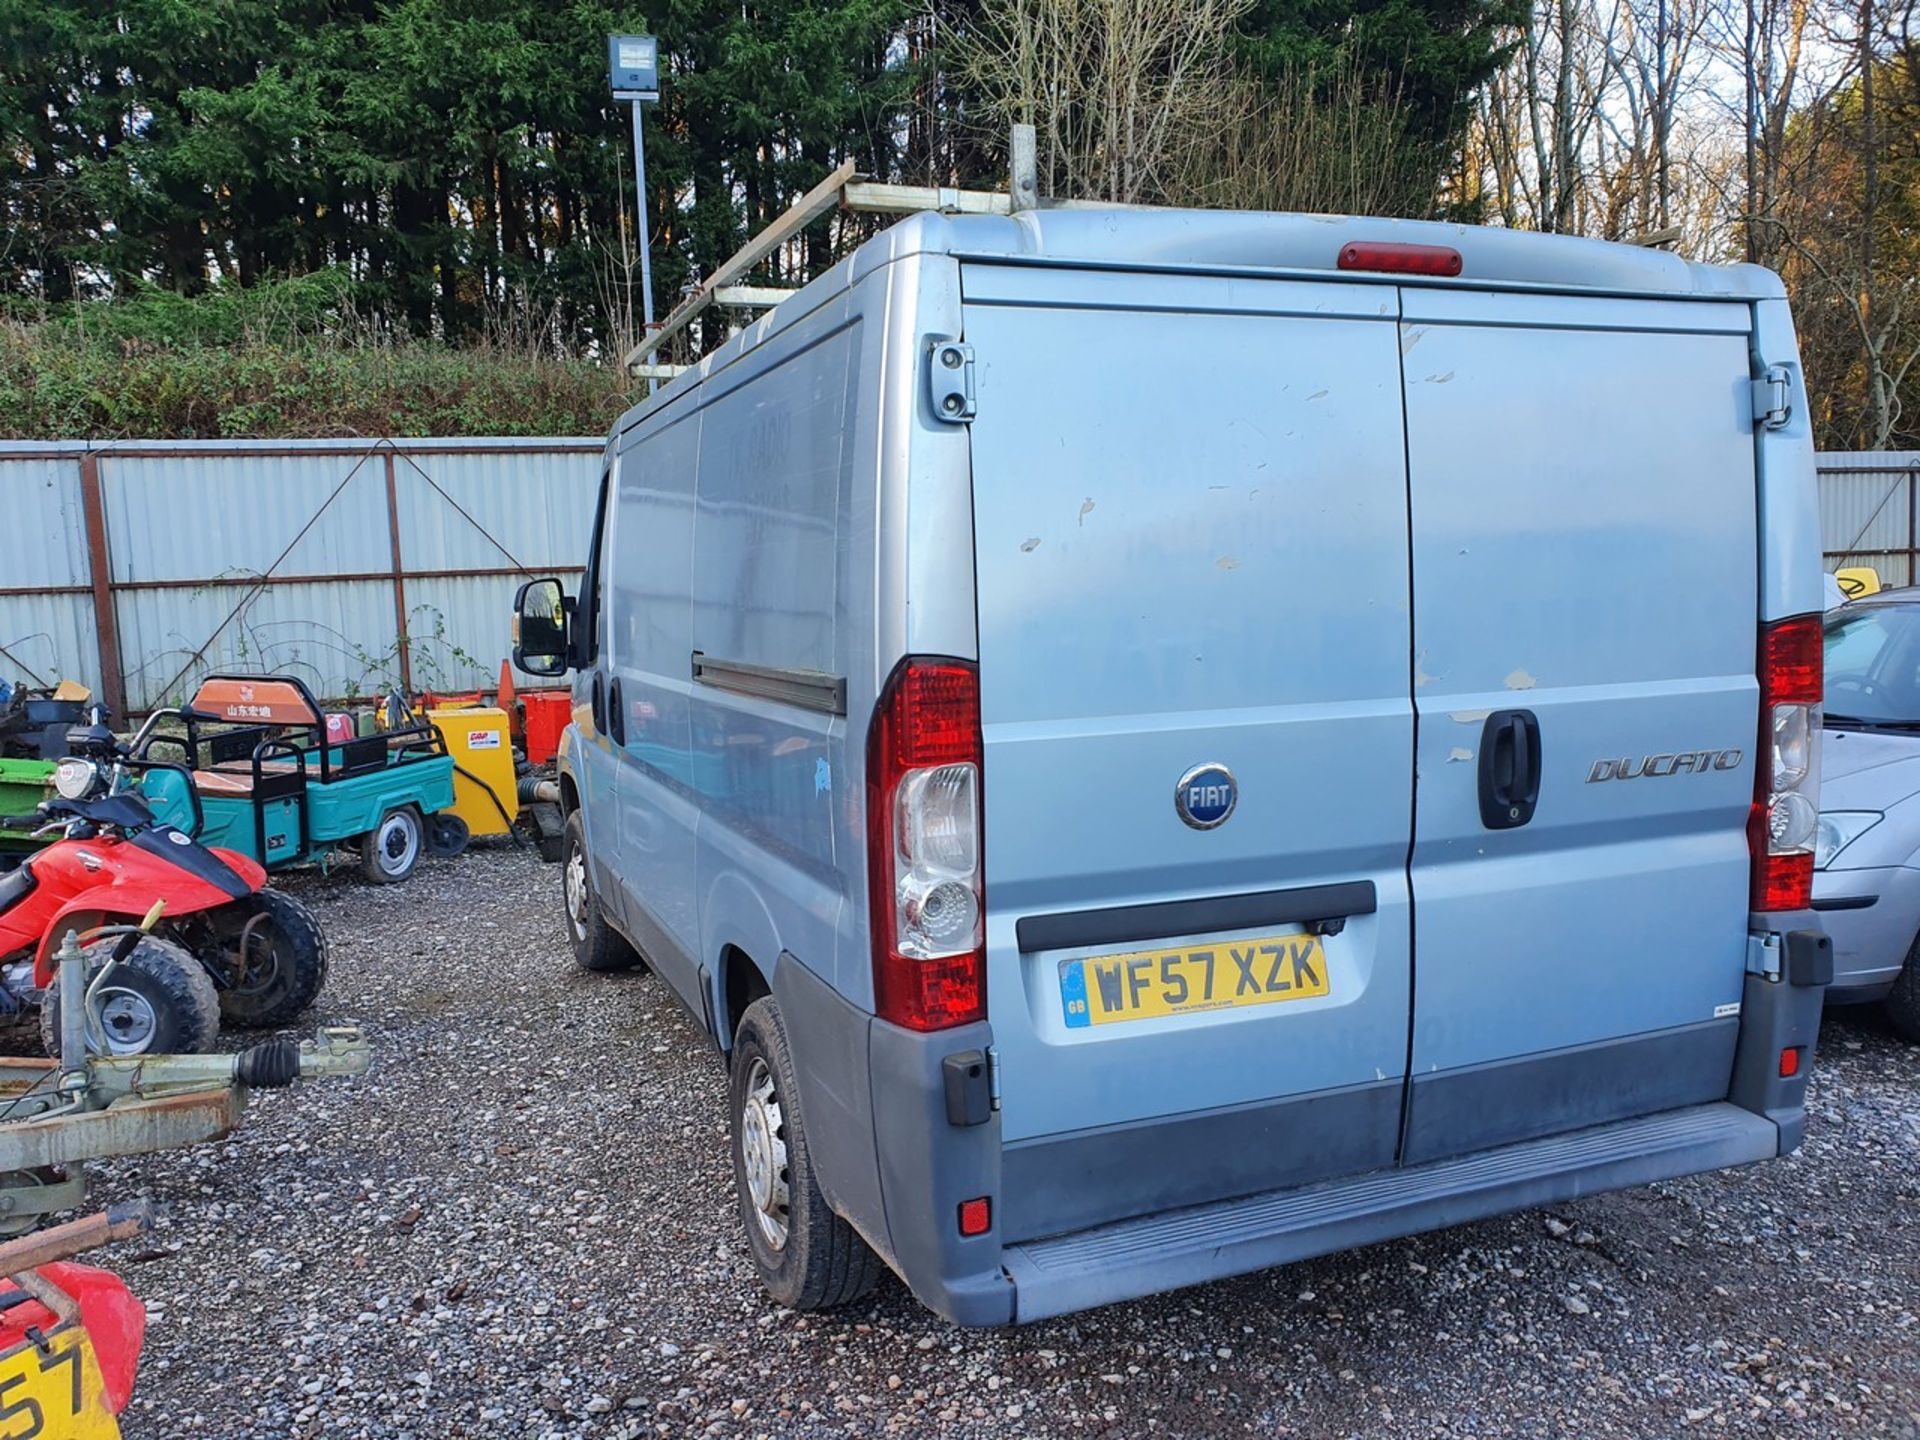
279,360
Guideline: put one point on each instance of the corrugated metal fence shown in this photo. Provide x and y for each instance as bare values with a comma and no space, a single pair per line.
1870,512
136,567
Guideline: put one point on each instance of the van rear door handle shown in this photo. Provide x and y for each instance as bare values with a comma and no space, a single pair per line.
1509,769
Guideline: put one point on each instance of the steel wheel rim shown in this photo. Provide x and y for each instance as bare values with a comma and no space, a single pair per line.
397,844
763,1155
126,1020
257,976
576,884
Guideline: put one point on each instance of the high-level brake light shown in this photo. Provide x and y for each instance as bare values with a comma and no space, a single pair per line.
1399,259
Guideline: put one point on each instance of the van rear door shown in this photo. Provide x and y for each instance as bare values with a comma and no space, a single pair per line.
1584,579
1191,531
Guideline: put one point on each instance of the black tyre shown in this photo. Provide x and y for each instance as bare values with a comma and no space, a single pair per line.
809,1258
390,851
275,947
158,1001
20,1031
447,835
597,945
1903,1001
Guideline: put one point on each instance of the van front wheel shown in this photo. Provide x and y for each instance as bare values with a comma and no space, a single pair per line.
597,946
809,1258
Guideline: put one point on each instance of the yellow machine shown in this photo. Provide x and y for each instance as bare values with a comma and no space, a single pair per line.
484,789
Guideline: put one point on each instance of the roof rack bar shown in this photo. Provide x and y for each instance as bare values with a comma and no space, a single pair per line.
868,196
752,297
844,187
808,208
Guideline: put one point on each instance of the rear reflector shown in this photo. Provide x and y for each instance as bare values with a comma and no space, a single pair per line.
1399,259
1789,1062
976,1216
1783,882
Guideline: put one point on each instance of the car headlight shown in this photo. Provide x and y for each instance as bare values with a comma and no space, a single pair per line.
74,779
1839,829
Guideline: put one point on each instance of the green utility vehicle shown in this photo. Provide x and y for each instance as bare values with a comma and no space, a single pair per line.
23,785
280,780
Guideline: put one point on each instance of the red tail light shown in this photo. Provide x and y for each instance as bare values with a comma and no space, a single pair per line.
1399,259
1790,661
1786,797
924,862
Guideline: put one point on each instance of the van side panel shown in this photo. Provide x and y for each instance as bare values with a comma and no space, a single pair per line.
773,478
650,625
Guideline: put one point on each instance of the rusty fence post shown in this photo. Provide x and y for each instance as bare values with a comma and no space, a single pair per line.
106,624
399,580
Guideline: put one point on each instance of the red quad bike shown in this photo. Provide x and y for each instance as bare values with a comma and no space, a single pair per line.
225,947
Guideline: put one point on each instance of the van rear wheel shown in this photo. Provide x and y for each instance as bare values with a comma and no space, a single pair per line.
597,946
809,1258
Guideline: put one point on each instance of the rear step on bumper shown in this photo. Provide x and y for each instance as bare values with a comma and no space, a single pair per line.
1131,1258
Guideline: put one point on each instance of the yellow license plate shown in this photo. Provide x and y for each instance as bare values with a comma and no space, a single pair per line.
56,1393
1187,979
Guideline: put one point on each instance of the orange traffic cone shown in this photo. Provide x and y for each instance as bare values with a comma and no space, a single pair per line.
506,699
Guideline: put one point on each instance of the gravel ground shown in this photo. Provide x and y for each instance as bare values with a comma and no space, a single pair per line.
521,1225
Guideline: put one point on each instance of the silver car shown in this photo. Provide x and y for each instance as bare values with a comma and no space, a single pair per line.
1866,883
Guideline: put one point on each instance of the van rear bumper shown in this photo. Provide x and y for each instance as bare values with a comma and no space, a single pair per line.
1131,1258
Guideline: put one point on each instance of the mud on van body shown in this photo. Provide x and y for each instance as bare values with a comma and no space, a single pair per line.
1131,730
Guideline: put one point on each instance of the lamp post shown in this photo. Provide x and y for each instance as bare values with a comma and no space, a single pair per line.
633,68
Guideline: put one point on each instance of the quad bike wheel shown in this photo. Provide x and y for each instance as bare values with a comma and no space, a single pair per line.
158,1001
391,850
20,1030
11,1223
276,955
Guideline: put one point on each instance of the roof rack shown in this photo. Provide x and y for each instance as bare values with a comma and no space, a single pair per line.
848,190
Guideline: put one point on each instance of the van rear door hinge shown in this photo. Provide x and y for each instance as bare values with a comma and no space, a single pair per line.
950,380
1763,956
1773,398
993,1074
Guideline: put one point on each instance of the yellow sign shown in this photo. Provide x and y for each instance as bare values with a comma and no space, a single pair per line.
1186,979
55,1393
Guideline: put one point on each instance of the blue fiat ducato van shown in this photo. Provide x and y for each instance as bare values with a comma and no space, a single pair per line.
1162,743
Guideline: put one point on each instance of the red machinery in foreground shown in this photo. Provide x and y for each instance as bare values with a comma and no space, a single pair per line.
70,1335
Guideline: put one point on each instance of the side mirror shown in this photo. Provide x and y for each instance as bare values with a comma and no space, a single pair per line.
540,628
